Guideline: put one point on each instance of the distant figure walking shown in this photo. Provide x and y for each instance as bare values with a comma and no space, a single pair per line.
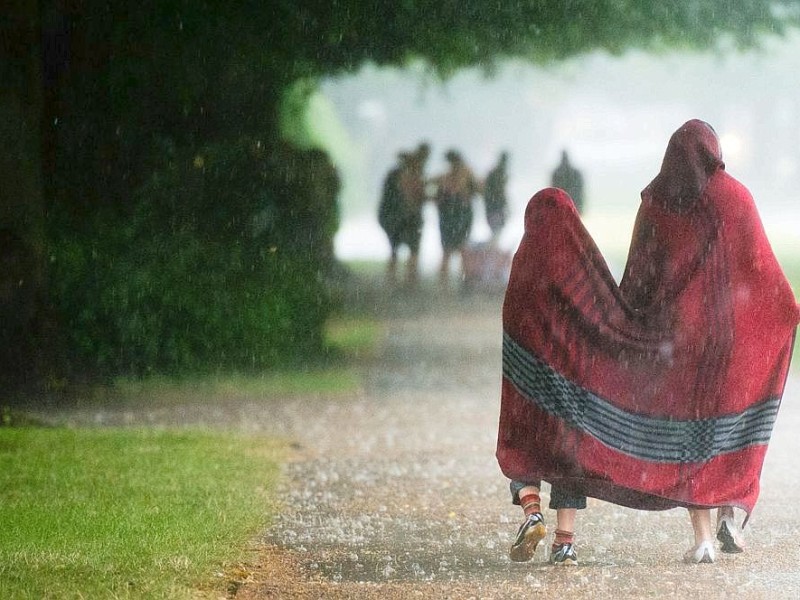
494,195
400,210
569,179
454,193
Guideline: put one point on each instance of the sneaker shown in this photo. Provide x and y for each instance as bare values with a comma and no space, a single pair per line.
563,554
732,542
702,553
530,533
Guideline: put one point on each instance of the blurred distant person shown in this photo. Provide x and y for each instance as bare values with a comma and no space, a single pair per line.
494,195
569,179
400,211
454,193
390,212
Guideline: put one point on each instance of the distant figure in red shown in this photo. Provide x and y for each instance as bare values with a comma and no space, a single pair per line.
400,210
659,392
494,196
455,191
569,179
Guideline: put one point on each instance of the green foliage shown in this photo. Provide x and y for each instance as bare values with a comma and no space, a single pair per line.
451,34
120,513
219,263
182,233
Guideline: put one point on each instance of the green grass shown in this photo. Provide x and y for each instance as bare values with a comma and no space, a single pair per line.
111,513
349,338
354,336
165,391
90,513
367,268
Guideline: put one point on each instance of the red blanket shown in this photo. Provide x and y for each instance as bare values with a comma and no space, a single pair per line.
662,391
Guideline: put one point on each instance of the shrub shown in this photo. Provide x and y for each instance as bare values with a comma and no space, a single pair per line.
219,263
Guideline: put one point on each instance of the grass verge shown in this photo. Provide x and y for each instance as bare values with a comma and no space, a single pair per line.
349,338
90,513
111,513
354,337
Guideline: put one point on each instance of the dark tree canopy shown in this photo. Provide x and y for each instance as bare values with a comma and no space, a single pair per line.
452,34
148,176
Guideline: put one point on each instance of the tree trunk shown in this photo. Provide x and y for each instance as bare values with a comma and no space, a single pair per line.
22,247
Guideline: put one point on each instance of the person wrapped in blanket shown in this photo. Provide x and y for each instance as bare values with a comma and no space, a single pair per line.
659,392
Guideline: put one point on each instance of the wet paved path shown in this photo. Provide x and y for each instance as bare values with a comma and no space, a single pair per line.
396,492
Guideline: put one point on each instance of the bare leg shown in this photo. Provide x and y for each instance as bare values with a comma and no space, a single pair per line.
701,523
565,519
444,272
703,550
412,266
391,270
463,253
562,552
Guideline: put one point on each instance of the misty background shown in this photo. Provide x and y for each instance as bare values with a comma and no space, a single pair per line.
614,115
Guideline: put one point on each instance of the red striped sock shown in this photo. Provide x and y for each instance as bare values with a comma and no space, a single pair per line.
564,537
530,504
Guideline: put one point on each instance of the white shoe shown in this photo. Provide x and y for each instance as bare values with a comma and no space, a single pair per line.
729,535
702,553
